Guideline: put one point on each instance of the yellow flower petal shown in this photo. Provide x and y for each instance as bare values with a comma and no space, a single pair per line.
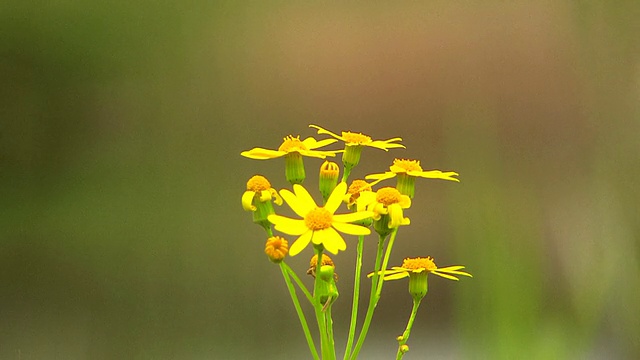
382,176
294,203
396,276
351,217
305,201
262,154
386,144
300,243
288,226
435,174
444,275
351,229
331,240
312,143
335,199
247,201
326,132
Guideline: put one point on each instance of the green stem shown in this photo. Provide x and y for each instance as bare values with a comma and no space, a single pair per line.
356,297
405,336
298,282
346,172
374,296
296,303
385,262
320,315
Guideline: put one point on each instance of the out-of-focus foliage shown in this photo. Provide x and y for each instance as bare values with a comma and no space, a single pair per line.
121,125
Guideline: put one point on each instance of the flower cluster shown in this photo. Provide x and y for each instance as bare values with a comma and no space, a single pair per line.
366,206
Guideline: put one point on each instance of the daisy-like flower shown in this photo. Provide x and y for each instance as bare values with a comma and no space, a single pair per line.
291,144
318,223
387,205
419,265
407,171
259,190
354,143
257,199
293,149
417,270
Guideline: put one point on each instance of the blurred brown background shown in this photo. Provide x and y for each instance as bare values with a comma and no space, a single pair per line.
121,125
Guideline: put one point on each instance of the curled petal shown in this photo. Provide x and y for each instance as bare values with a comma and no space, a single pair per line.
247,201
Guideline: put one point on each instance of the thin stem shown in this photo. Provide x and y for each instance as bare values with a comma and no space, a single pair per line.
296,303
373,300
317,306
356,297
298,282
405,336
387,254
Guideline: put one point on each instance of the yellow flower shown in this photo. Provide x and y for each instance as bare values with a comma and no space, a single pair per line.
276,248
412,168
419,265
353,139
259,188
318,224
292,144
389,201
407,171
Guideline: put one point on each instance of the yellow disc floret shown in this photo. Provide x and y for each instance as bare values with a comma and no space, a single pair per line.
419,263
388,196
355,138
358,186
258,183
407,165
326,260
291,143
276,248
318,219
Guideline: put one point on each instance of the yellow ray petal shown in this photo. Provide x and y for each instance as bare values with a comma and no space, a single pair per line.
351,217
294,203
335,199
435,174
351,229
396,276
262,154
305,201
326,132
247,201
300,243
331,240
451,277
382,176
288,226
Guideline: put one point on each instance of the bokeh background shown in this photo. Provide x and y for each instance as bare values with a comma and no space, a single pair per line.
122,123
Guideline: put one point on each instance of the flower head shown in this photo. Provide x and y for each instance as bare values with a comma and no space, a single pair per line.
329,173
387,208
407,171
419,265
417,270
291,144
318,223
259,189
257,199
313,263
276,248
354,143
354,139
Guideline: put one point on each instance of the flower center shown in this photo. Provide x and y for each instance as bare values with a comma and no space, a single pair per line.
419,263
408,165
358,186
258,183
326,260
388,196
291,143
318,219
355,138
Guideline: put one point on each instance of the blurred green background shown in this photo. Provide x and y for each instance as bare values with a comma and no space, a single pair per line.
121,127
